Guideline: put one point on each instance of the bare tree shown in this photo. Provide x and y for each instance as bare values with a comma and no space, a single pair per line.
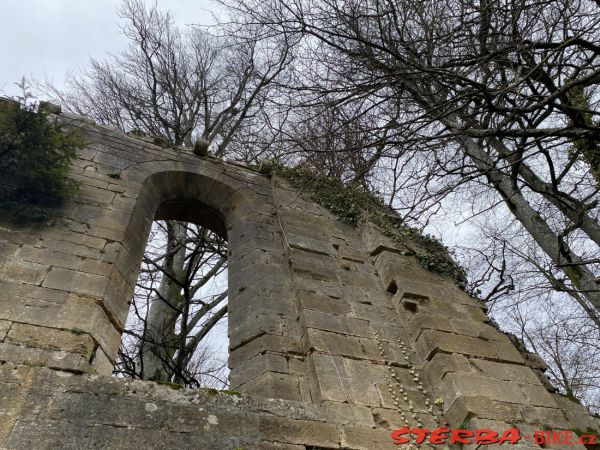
495,94
568,342
488,114
179,299
176,86
526,292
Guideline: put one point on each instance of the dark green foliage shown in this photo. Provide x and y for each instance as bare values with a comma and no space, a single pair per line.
354,203
34,160
346,202
587,149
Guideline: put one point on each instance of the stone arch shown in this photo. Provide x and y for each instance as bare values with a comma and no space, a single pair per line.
173,195
226,200
79,273
184,195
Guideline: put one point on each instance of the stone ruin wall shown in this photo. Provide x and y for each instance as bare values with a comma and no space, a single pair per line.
337,335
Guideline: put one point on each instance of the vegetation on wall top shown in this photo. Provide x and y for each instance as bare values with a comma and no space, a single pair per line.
354,204
35,154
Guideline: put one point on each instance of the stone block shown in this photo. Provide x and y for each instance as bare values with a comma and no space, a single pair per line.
274,385
248,370
455,385
366,296
255,325
308,283
317,302
352,253
298,221
335,384
52,359
113,291
374,313
23,272
431,341
4,327
364,369
125,205
534,361
70,248
7,250
93,195
48,257
262,298
100,217
414,396
328,389
367,439
262,344
12,400
481,407
347,414
73,341
359,278
329,365
338,344
19,300
577,415
77,282
85,314
444,363
313,264
95,267
312,245
82,238
375,241
101,363
308,433
335,323
509,372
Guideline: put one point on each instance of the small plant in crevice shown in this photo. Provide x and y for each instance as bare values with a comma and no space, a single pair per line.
353,204
35,155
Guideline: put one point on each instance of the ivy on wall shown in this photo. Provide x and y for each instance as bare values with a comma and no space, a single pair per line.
35,154
353,204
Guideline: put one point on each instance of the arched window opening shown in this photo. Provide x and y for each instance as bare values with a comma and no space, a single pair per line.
176,329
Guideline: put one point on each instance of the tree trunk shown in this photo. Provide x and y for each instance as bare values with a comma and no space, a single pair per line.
160,341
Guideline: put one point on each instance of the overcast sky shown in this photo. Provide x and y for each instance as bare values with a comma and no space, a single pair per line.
47,38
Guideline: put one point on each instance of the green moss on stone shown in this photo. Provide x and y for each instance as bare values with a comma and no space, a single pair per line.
174,386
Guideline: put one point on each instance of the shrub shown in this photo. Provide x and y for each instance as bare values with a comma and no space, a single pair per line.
35,154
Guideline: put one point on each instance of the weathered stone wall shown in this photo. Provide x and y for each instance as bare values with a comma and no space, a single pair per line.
337,335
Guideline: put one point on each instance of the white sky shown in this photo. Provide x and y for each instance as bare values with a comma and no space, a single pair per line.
48,38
